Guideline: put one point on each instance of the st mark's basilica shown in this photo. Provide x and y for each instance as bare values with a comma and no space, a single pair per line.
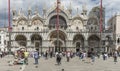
79,31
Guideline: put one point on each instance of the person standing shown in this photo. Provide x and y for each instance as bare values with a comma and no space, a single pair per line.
1,53
68,56
93,56
26,54
89,56
36,56
46,55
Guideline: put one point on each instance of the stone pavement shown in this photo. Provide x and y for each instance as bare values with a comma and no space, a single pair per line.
75,64
4,65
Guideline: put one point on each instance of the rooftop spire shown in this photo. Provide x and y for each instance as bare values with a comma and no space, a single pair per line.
13,12
36,10
20,12
77,10
70,8
84,8
44,6
29,11
44,10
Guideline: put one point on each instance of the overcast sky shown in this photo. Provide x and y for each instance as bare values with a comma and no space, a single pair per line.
111,6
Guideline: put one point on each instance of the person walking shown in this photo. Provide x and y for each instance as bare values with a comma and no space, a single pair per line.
36,56
115,55
58,59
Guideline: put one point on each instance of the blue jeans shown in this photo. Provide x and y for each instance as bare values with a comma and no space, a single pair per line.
36,60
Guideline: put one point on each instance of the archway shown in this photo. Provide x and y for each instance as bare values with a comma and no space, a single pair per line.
58,40
36,40
21,40
58,47
94,42
53,22
78,41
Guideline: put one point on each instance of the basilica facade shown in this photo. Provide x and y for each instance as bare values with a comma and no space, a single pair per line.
80,31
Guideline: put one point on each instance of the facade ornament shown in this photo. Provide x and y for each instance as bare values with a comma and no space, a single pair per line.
14,12
20,12
77,11
84,9
44,10
36,11
70,8
29,11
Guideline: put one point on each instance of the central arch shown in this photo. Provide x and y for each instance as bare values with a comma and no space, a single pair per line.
78,42
36,40
94,42
21,40
58,40
53,22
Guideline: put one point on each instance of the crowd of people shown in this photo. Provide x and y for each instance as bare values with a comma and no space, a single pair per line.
2,54
22,56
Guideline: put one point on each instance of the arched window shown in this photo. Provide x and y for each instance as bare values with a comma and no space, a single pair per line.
37,28
53,22
22,28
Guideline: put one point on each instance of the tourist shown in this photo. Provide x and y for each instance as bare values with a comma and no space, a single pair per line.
115,55
46,55
36,56
84,56
93,55
105,56
1,54
26,54
89,56
51,54
58,59
68,56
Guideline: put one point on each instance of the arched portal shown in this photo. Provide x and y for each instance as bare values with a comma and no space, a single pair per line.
78,41
36,40
53,22
94,42
21,40
58,40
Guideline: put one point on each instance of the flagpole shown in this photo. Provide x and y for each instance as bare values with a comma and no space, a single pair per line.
101,16
101,23
8,15
57,25
9,29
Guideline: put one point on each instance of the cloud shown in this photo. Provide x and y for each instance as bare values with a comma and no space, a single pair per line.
111,6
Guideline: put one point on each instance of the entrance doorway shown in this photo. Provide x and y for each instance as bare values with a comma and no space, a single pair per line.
58,40
78,42
37,45
58,45
77,46
36,40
